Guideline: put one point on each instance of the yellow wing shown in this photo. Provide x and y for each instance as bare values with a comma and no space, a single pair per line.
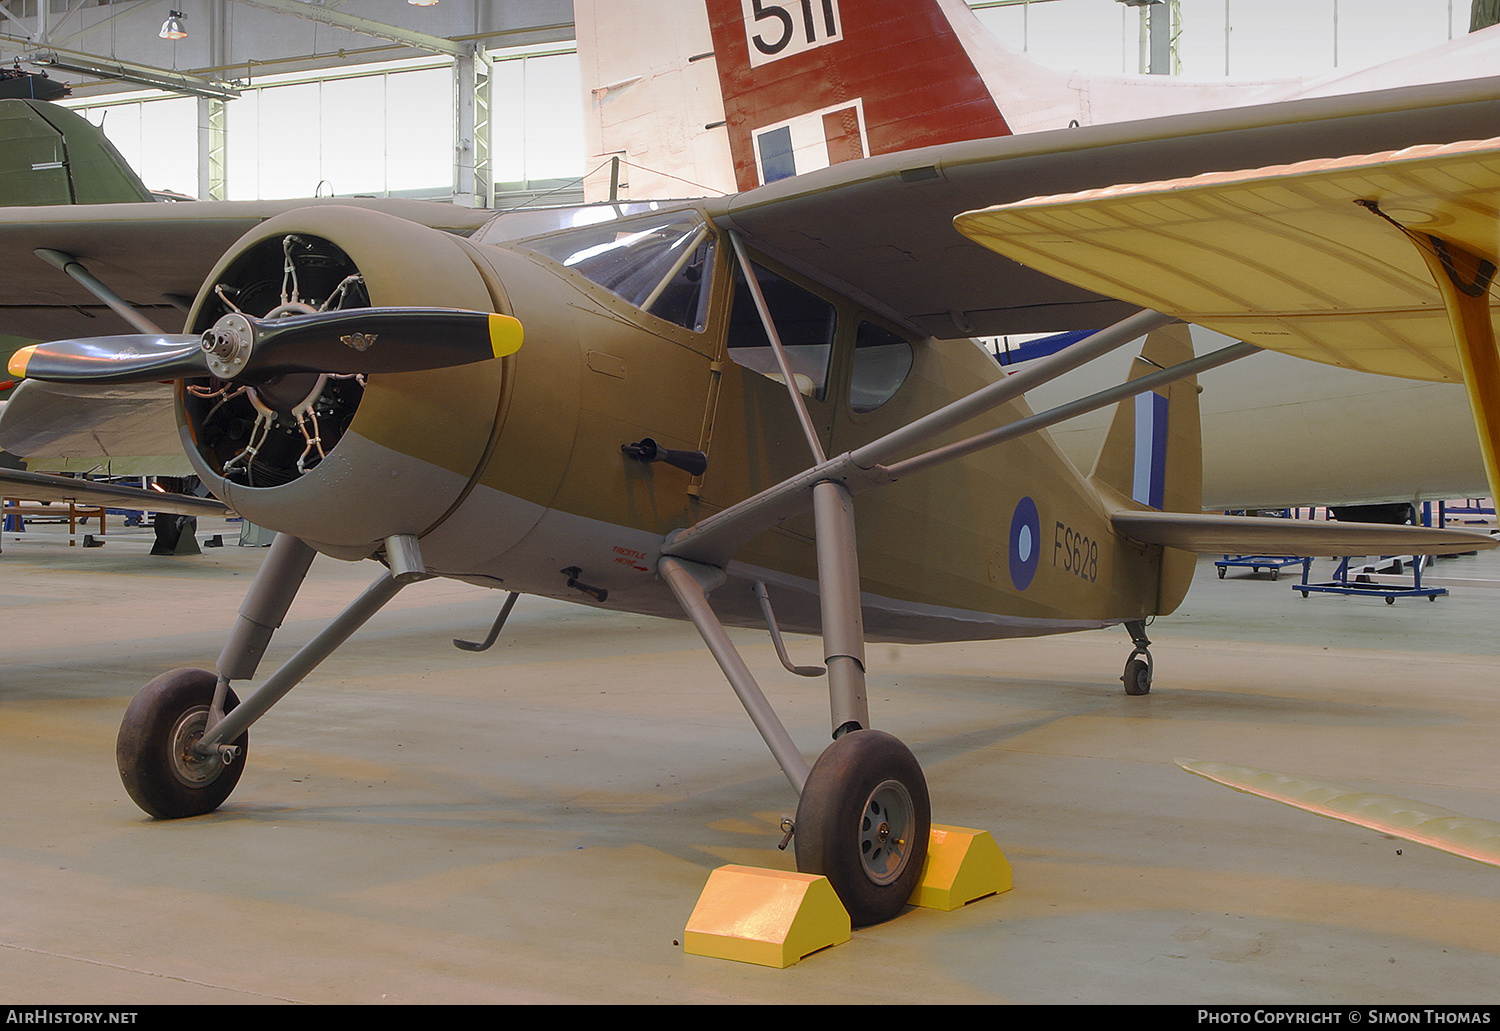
1292,258
1421,822
1383,263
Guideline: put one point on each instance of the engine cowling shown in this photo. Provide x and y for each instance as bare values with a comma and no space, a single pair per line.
344,462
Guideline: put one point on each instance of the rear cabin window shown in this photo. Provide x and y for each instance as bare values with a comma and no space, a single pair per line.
882,361
804,322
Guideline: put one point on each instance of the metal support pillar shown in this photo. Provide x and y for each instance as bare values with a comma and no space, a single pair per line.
472,130
213,159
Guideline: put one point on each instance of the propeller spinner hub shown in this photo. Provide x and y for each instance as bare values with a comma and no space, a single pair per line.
227,345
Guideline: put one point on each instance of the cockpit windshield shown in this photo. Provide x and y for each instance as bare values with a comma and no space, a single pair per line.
661,263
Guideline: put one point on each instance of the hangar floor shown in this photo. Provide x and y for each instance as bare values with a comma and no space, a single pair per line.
534,823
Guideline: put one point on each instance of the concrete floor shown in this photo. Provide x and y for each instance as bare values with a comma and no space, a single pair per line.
534,823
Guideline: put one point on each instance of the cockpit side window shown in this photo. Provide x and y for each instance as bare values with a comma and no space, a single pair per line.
662,264
882,361
804,322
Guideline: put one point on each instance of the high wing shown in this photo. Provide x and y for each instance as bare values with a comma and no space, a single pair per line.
18,483
154,256
881,228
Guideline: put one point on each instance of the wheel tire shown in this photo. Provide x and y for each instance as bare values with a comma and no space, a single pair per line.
157,766
1137,677
865,782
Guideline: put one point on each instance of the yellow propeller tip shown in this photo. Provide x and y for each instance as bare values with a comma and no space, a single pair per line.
19,360
506,335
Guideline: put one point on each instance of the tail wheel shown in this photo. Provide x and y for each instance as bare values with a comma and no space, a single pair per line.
160,766
1137,677
863,821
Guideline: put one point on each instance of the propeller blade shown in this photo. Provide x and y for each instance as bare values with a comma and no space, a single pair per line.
359,340
364,340
130,358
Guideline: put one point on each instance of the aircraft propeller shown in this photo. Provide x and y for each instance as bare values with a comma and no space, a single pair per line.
358,340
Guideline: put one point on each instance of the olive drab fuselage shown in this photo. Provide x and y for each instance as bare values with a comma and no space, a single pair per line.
511,471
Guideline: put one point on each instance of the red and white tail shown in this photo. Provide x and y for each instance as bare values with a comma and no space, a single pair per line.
811,83
716,96
730,94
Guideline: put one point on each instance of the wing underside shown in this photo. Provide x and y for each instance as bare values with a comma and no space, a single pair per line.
1382,263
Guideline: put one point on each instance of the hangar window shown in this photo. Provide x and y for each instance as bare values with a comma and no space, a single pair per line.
882,361
804,322
661,263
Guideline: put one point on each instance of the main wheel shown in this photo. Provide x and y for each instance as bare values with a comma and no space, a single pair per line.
1137,677
159,765
863,822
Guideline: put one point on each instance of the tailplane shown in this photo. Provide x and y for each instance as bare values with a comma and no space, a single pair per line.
1149,476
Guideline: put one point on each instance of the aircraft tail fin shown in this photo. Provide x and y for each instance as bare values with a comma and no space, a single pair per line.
737,94
1152,456
811,84
1153,453
689,97
51,155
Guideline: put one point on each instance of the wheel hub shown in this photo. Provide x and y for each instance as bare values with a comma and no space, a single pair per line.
885,832
190,765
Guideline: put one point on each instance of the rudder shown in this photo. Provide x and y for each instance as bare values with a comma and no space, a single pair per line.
1152,456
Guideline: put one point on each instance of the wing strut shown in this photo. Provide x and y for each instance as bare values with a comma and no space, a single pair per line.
1073,409
798,404
714,540
830,485
86,279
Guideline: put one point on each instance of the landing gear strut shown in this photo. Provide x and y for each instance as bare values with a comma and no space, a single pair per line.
182,743
863,813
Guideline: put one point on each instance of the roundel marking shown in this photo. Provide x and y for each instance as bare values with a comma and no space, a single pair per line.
1025,543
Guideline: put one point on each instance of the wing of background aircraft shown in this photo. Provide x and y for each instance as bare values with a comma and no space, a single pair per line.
131,429
1381,262
152,256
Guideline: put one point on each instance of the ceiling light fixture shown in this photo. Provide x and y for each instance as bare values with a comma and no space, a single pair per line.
172,27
